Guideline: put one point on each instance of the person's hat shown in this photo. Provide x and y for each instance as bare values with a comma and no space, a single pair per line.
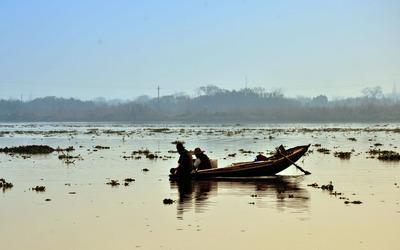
197,151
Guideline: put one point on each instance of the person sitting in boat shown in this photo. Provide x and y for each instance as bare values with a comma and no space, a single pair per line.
202,161
261,157
185,162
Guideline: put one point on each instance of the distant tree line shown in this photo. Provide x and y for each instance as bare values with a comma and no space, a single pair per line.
211,104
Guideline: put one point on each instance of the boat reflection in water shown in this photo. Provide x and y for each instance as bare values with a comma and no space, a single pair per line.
279,192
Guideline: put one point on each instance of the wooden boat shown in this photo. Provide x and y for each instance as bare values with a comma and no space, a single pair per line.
271,166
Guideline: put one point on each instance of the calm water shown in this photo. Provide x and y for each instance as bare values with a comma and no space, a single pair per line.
276,212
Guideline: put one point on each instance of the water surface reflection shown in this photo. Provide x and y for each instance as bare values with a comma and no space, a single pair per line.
278,192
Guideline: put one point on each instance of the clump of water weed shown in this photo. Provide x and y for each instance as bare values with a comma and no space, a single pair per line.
67,149
132,157
352,202
28,149
5,185
244,151
158,130
34,149
68,157
141,152
327,187
314,185
113,183
151,156
324,150
389,156
342,155
168,201
323,187
129,180
39,188
385,155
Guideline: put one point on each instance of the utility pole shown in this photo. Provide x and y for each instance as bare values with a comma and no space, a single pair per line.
158,95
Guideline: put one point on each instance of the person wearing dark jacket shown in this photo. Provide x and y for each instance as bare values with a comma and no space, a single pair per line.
261,157
185,163
202,161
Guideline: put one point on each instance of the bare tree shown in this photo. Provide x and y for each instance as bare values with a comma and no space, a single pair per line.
375,92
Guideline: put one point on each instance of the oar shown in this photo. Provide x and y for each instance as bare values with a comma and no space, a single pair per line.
297,166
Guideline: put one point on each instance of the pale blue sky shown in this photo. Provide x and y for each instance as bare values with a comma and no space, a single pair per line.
122,49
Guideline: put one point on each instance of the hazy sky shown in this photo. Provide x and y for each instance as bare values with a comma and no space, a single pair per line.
122,49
